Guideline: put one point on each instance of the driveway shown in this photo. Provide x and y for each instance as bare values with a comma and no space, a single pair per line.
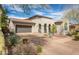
61,45
56,45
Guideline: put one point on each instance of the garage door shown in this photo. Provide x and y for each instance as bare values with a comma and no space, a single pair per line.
23,29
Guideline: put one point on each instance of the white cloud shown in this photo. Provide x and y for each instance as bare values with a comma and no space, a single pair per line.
12,16
37,12
17,9
57,15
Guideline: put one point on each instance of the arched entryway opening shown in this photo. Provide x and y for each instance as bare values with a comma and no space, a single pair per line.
45,28
39,29
49,27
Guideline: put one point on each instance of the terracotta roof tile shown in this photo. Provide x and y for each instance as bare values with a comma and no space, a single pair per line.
22,20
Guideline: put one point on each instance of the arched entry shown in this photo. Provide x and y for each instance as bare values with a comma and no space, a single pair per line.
39,29
49,27
45,28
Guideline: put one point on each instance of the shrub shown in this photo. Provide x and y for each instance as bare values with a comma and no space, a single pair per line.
39,49
53,29
74,33
45,35
69,34
13,38
76,37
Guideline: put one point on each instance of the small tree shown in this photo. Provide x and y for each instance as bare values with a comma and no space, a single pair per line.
13,39
3,24
53,29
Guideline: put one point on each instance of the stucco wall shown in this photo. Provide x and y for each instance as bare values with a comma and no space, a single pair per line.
35,27
77,27
41,21
63,25
11,26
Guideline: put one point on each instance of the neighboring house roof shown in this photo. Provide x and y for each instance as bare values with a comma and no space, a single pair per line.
74,22
39,16
58,22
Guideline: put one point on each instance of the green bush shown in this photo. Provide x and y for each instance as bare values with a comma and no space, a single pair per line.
13,38
53,29
39,49
69,34
74,33
76,37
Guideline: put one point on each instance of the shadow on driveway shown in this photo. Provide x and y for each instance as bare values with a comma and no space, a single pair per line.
37,40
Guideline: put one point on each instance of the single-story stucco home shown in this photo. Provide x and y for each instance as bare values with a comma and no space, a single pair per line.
34,24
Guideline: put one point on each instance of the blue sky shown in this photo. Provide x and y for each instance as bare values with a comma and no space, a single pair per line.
56,11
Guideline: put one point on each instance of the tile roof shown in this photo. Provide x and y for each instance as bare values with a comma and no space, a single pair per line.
22,20
40,16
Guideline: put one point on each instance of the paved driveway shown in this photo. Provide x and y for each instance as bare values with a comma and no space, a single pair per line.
61,45
57,45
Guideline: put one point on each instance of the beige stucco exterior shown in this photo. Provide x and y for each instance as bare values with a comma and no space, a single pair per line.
61,26
77,26
11,26
37,20
41,21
